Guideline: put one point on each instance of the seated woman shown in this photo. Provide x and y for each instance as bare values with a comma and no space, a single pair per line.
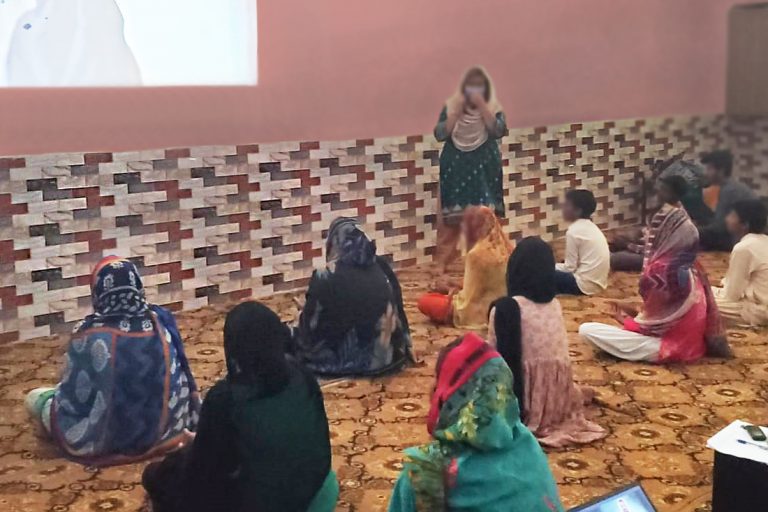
488,248
528,330
679,320
353,322
263,441
481,458
126,393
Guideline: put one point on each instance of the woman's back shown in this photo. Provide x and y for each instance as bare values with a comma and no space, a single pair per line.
353,322
126,393
518,481
481,457
355,298
544,336
483,283
262,443
283,442
529,330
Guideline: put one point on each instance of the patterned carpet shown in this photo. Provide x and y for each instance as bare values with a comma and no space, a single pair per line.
659,417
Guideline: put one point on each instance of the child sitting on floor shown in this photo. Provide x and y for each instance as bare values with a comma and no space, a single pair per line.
743,299
587,256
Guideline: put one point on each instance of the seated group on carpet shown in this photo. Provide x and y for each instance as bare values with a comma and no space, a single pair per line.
261,437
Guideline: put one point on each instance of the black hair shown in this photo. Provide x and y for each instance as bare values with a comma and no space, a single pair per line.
531,271
677,184
720,159
753,214
584,200
444,353
255,341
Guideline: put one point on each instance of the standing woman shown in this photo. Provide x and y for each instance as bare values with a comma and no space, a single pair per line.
470,124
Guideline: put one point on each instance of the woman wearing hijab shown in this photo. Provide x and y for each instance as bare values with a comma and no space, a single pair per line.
470,125
679,320
126,393
263,442
353,322
481,457
466,306
528,330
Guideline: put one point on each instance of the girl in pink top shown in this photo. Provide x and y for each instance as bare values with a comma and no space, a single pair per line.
528,330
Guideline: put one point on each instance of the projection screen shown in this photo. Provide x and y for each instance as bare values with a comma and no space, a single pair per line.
102,43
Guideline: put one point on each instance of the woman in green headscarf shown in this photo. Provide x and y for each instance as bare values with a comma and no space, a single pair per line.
482,458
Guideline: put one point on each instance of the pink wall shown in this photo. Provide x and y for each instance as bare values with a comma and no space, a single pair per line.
339,69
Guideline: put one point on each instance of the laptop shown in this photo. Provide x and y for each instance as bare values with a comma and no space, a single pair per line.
627,499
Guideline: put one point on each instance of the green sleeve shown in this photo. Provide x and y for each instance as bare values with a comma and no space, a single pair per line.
500,128
441,132
403,499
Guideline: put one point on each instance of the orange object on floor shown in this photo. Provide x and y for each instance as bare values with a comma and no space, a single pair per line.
437,306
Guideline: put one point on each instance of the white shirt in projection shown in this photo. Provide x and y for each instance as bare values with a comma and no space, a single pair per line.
62,43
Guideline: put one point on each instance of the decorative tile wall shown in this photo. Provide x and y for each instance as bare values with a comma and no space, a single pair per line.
748,138
210,224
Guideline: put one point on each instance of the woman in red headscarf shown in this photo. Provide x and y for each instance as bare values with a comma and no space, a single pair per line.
481,457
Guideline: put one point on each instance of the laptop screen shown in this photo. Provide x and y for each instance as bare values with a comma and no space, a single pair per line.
628,499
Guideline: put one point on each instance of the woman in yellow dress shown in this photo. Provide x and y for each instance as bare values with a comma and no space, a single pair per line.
465,305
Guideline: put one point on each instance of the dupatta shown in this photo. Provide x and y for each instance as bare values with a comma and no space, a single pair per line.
667,282
674,287
126,393
481,456
484,279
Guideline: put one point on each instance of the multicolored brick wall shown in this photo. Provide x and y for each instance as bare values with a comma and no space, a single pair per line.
748,138
212,224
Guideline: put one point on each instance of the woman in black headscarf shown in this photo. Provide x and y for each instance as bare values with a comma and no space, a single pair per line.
528,330
250,452
353,322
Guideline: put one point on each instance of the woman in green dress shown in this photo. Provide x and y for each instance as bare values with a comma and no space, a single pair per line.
481,458
263,441
471,124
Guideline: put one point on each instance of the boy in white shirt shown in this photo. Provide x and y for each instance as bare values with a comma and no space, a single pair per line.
587,256
743,299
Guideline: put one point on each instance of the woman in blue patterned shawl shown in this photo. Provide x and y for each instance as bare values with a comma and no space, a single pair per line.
126,393
353,322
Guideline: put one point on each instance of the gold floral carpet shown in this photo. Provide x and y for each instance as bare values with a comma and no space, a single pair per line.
659,417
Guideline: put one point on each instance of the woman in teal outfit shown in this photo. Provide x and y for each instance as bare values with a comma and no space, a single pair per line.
470,124
482,458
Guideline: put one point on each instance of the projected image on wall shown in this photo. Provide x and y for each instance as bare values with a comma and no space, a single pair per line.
96,43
